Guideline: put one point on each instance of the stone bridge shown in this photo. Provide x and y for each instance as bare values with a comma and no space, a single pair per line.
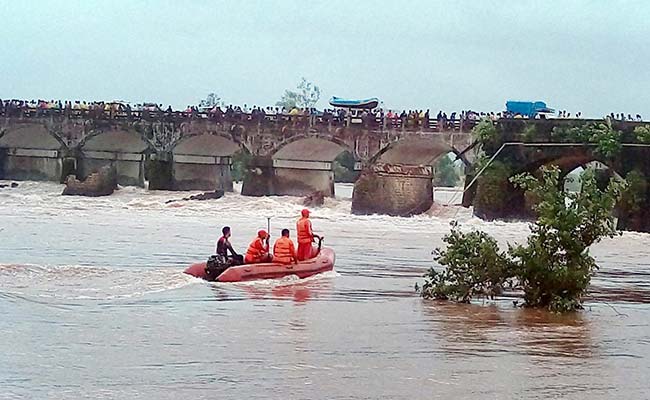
288,155
525,146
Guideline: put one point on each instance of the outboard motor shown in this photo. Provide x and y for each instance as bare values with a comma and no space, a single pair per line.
217,264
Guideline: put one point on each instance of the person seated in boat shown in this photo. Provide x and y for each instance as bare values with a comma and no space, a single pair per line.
224,247
258,250
305,236
284,251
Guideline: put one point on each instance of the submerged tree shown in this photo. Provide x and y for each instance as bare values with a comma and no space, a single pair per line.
306,96
553,268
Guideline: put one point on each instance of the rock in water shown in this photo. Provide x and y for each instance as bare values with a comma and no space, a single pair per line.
12,185
217,194
315,199
100,183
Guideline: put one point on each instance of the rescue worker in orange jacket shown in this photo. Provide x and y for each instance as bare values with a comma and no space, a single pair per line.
284,251
305,236
258,250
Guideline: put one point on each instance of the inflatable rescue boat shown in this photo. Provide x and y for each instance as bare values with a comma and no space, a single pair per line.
323,261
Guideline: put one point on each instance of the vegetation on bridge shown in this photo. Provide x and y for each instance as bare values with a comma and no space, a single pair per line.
306,96
553,268
620,146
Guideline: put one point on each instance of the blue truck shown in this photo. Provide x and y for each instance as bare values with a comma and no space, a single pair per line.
529,109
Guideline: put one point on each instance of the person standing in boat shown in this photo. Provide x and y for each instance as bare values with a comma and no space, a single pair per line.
284,251
224,247
258,250
305,236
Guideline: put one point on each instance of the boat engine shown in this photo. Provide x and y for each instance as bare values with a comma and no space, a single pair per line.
215,266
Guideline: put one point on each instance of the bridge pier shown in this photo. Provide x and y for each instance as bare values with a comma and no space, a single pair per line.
190,172
258,180
158,171
393,190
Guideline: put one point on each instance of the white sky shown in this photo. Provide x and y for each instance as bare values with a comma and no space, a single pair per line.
588,56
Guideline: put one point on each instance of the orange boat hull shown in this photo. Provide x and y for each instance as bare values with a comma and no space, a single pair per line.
323,262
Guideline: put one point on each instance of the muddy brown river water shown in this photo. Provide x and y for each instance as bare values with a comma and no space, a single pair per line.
93,304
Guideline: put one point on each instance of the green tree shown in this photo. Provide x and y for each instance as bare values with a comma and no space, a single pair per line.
210,101
445,173
642,133
602,134
240,162
306,96
485,132
344,168
553,268
474,266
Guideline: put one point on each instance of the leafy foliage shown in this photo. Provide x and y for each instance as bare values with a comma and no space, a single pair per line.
445,173
634,197
602,134
553,268
530,132
484,132
210,101
240,161
474,266
493,186
306,96
344,168
642,133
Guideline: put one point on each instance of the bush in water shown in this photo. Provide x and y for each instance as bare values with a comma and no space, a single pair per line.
553,268
474,267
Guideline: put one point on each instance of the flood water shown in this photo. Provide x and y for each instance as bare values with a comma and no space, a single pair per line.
94,304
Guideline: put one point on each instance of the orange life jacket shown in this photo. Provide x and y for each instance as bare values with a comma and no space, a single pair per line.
257,249
284,251
303,228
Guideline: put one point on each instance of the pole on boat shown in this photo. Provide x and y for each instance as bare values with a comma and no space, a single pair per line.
268,225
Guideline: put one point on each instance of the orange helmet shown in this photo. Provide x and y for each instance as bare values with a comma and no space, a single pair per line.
262,233
305,212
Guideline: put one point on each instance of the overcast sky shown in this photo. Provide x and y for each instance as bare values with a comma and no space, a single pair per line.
589,56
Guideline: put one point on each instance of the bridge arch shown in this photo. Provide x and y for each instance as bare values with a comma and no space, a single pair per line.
202,161
311,148
417,151
125,149
306,163
31,136
117,140
30,151
205,144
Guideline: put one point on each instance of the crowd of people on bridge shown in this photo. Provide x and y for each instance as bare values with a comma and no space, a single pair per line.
371,118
